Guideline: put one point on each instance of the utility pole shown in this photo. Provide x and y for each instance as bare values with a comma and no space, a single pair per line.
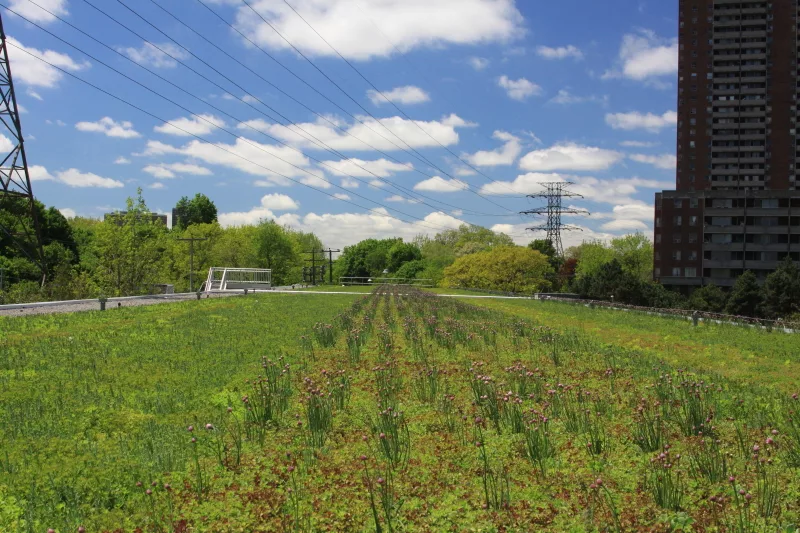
330,263
191,240
554,193
313,262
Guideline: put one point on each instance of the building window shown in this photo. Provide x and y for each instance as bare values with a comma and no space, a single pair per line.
657,272
693,256
678,203
693,221
658,238
690,272
676,255
676,239
693,237
677,221
658,222
693,203
676,272
658,256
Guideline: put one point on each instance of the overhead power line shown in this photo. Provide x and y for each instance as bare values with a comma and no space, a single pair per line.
410,150
390,101
202,139
201,100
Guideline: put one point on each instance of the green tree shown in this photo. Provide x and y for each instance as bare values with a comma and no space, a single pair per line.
503,268
364,259
410,270
472,239
543,246
278,251
178,262
130,249
745,298
709,298
198,210
591,256
635,254
401,253
611,280
782,291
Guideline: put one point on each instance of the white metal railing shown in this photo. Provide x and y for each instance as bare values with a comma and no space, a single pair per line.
386,281
223,279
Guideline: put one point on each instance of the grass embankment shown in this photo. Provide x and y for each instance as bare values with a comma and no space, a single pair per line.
91,403
746,354
393,412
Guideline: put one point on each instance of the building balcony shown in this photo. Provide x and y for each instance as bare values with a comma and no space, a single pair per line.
727,263
724,247
723,211
670,280
732,229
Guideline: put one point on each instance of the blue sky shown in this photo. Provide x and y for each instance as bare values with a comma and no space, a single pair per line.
493,98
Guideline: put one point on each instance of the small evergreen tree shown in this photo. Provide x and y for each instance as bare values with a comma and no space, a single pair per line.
782,291
709,298
745,298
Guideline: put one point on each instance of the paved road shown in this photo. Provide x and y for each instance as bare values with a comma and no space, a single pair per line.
94,305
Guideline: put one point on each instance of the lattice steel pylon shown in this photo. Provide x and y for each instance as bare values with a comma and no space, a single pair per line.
19,222
555,192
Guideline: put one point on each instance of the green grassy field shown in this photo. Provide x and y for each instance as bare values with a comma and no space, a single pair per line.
745,354
394,413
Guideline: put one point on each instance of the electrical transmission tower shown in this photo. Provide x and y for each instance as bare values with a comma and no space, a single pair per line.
19,222
554,193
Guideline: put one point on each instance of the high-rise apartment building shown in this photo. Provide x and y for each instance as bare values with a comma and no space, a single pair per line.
735,206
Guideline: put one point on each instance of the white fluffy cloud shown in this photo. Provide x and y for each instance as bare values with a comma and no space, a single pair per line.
561,52
151,56
110,128
402,25
157,185
39,173
171,170
665,161
244,155
67,212
505,155
520,89
521,236
35,14
570,157
635,120
644,56
279,202
122,161
638,144
343,229
188,126
373,132
407,95
75,178
30,71
615,191
341,196
564,97
265,211
364,169
439,184
478,63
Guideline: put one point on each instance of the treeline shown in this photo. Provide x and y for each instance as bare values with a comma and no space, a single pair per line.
622,270
132,253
